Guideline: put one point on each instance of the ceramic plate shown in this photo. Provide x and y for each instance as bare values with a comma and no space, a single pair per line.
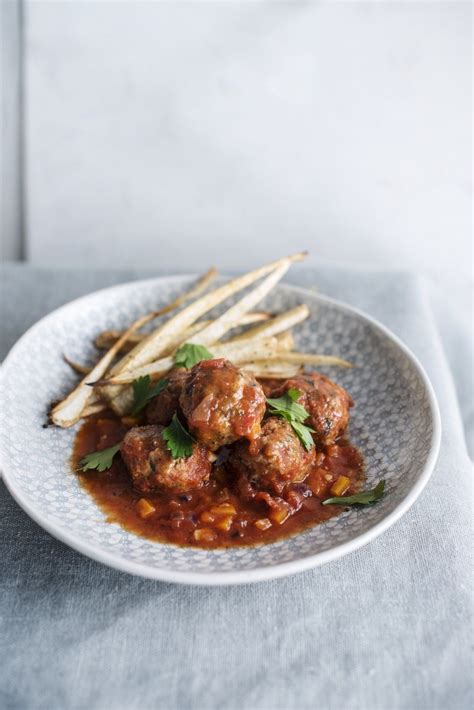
395,423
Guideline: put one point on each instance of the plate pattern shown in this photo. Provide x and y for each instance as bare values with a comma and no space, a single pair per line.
392,423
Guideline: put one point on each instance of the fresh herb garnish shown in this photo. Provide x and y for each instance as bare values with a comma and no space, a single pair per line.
190,354
289,404
99,460
143,391
362,498
304,433
295,414
178,441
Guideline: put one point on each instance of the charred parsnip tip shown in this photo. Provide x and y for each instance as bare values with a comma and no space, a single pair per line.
107,338
76,366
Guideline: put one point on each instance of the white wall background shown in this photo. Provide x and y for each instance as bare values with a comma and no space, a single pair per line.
177,134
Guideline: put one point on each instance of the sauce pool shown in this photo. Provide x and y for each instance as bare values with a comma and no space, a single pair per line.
177,517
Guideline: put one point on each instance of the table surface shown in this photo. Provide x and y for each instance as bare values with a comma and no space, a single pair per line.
384,627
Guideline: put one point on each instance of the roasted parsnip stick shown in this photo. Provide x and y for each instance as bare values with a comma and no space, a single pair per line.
69,411
309,359
238,352
153,345
277,369
107,338
275,325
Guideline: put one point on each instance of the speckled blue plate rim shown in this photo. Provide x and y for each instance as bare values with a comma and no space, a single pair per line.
276,571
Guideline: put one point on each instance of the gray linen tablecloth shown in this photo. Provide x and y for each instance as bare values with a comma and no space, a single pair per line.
386,627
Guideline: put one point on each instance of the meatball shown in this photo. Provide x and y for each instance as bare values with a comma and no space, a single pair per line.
152,468
274,459
327,404
162,407
221,403
269,384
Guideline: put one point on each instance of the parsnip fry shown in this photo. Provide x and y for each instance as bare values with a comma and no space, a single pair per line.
153,345
180,338
104,339
254,317
107,338
277,369
285,341
189,333
308,359
196,289
275,325
93,409
69,411
230,318
236,352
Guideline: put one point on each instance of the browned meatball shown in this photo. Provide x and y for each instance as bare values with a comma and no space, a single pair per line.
222,403
327,404
269,384
274,459
162,407
152,468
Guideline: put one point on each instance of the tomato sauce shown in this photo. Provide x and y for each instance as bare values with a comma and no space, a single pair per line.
200,518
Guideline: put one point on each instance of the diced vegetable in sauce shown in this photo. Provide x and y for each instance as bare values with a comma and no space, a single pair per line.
215,515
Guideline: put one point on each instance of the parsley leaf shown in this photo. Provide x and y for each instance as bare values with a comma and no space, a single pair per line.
304,434
362,498
178,440
288,404
189,355
143,391
295,414
99,460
